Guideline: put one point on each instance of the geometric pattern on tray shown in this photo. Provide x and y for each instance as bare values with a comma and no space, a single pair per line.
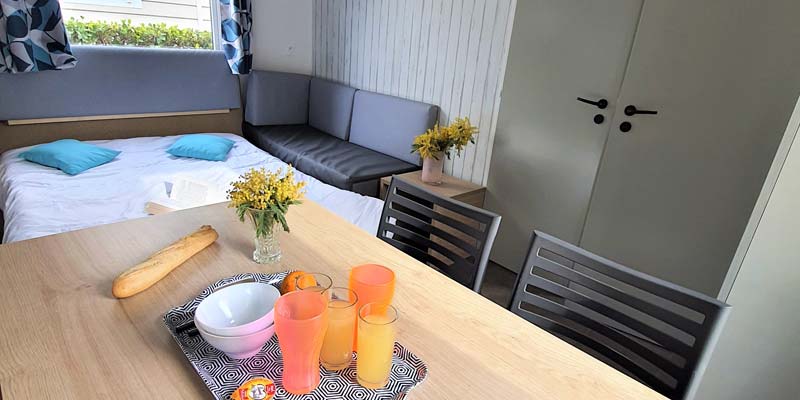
222,375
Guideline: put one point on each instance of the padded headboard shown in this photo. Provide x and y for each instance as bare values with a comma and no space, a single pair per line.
120,81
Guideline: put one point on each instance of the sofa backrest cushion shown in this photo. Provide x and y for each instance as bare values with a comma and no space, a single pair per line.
277,98
330,107
389,124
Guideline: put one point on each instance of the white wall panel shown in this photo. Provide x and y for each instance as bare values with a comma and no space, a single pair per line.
447,52
282,36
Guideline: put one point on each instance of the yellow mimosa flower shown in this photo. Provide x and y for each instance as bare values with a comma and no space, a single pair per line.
440,140
266,195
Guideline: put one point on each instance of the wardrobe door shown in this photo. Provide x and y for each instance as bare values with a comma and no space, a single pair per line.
673,194
548,145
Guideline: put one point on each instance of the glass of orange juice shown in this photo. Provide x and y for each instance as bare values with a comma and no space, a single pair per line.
374,284
337,348
376,332
314,282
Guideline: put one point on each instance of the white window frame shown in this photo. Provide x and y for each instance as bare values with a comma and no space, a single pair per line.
110,3
216,31
214,8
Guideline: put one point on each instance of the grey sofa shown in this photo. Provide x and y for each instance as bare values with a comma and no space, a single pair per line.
345,137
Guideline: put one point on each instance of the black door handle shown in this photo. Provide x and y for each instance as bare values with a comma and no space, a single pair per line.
601,104
632,110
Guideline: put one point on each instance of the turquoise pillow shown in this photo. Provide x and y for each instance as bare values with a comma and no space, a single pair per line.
69,155
204,147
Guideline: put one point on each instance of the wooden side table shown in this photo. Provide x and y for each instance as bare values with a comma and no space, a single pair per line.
451,187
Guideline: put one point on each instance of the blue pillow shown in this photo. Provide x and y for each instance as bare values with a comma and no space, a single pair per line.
69,155
205,147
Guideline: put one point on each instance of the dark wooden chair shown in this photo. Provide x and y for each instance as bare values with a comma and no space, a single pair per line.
656,332
448,235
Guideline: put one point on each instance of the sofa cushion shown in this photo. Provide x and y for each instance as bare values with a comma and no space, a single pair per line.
389,124
277,98
330,106
286,142
329,159
343,164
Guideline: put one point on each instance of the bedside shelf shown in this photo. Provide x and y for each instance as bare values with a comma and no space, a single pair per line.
451,187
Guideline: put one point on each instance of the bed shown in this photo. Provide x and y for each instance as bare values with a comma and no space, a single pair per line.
38,201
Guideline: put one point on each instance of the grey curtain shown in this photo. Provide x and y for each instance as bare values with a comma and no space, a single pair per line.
236,20
32,37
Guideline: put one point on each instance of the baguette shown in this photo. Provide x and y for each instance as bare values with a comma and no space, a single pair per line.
152,270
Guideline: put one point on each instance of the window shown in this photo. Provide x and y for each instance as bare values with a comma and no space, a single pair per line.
142,23
115,3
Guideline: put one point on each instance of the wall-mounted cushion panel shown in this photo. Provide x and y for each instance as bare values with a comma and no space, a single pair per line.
330,107
389,124
277,98
122,80
204,147
69,155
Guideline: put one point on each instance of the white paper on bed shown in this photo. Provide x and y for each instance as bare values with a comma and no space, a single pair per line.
191,193
185,193
38,201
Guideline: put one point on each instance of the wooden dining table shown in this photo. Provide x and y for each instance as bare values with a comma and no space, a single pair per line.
63,335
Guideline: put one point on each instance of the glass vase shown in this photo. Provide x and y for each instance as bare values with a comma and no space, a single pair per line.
432,169
268,247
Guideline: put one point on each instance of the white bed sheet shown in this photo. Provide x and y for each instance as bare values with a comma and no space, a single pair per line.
38,201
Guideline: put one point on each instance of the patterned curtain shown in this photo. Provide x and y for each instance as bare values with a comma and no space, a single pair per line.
32,37
236,20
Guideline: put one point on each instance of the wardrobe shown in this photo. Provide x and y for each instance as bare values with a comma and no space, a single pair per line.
757,356
642,130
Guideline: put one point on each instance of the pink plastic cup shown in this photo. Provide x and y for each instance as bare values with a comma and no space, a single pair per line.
301,318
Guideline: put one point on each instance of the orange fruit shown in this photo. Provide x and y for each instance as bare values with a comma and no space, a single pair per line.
305,281
290,282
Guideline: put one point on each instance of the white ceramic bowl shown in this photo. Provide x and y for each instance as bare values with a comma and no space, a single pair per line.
241,346
237,310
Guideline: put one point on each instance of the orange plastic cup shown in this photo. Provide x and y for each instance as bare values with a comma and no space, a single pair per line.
372,283
301,318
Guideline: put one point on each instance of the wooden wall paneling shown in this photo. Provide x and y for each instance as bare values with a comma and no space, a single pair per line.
474,88
447,52
501,41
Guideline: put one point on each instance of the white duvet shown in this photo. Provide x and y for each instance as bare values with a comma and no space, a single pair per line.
38,201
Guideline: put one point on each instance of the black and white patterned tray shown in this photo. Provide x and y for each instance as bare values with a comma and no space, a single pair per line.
223,375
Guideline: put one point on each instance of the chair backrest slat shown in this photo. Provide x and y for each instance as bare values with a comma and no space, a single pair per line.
630,345
417,253
424,243
453,237
677,294
609,311
593,341
676,320
659,333
431,229
438,216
